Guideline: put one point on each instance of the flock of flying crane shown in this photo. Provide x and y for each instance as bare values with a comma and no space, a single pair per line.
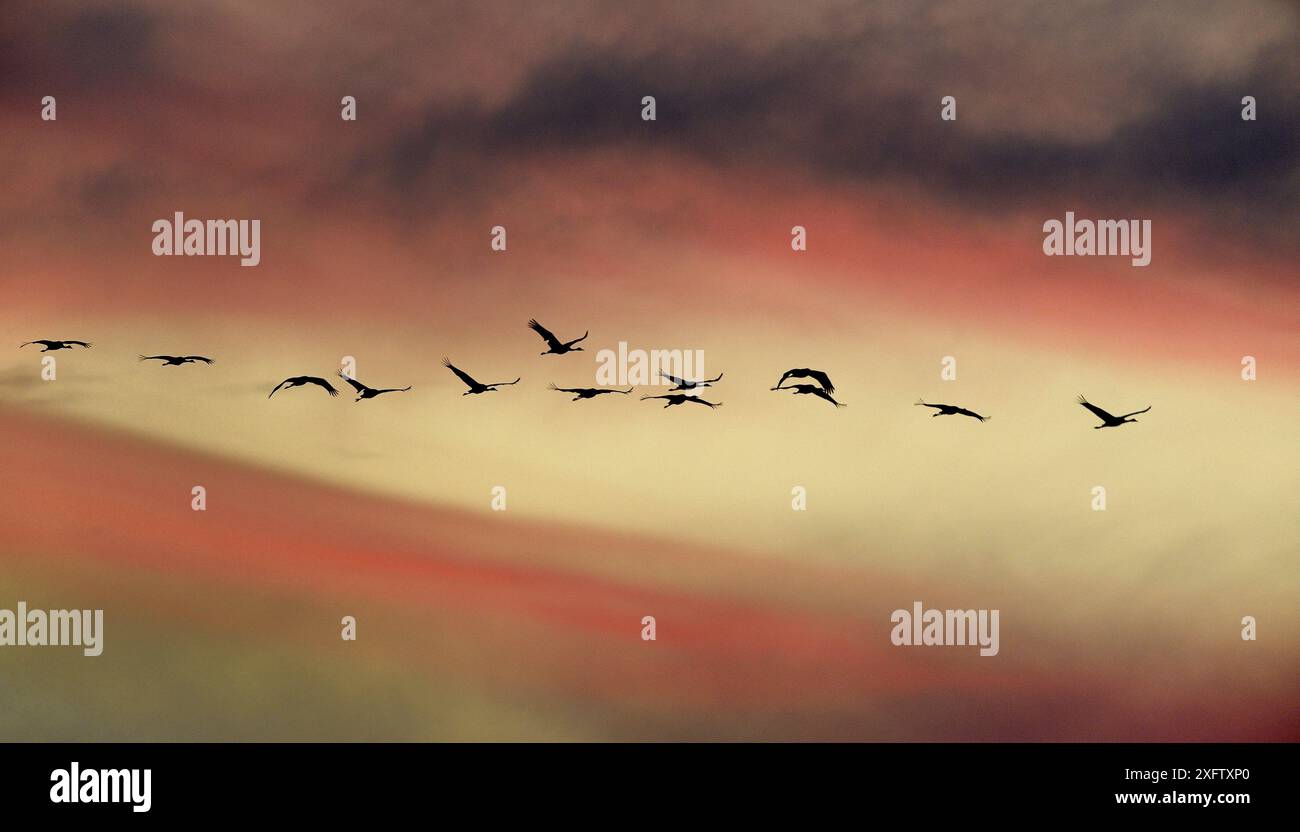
554,346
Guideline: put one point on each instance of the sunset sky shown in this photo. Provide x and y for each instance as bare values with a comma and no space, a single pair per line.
924,241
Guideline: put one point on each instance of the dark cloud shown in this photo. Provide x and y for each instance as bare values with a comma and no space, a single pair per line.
1135,105
46,47
798,106
111,189
110,44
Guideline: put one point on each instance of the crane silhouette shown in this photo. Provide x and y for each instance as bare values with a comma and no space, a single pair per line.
474,386
1109,421
679,398
588,392
298,381
50,346
553,344
810,389
683,384
803,372
177,360
364,392
952,410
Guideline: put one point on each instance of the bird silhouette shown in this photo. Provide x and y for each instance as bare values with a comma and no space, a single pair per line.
588,392
952,410
1109,421
474,386
683,384
50,346
810,389
298,381
678,398
177,360
554,345
364,392
817,375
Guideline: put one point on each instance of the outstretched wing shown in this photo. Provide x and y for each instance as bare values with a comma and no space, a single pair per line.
320,382
674,379
356,385
547,336
1136,412
698,400
198,358
1101,414
576,340
502,383
711,380
963,411
643,398
460,374
803,372
822,379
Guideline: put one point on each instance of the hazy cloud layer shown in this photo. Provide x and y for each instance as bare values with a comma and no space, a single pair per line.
1100,103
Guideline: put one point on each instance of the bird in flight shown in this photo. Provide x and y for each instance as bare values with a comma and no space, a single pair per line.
364,392
554,345
806,389
298,381
50,346
474,386
177,360
1109,421
953,410
588,392
819,376
678,398
683,384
